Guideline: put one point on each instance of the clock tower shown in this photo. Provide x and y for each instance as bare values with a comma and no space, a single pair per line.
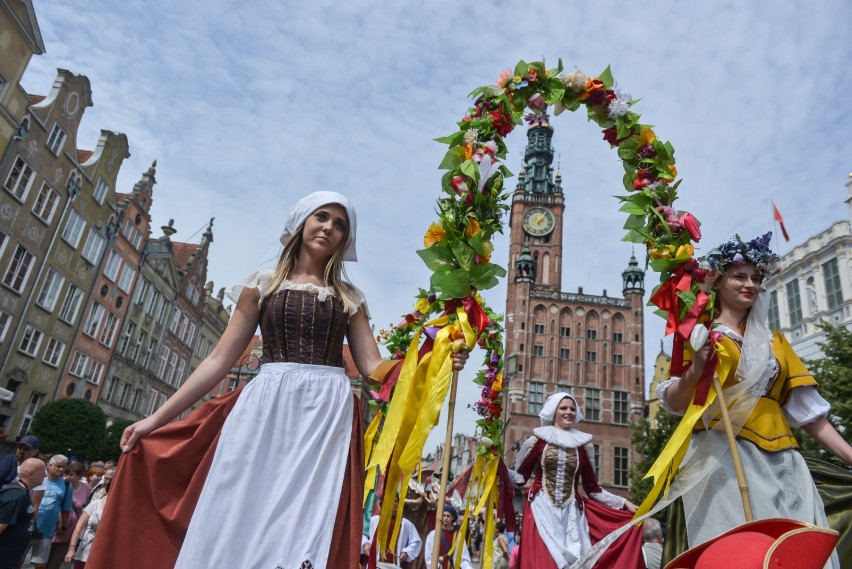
588,345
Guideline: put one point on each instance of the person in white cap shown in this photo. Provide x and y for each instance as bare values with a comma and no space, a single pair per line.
284,487
559,458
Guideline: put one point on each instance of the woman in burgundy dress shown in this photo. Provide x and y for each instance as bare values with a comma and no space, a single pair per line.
556,522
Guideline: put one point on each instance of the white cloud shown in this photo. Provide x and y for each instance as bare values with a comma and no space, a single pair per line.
247,106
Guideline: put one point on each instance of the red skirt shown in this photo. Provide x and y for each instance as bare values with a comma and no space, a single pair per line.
158,484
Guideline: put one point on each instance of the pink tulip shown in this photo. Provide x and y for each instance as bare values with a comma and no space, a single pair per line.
688,222
536,102
459,185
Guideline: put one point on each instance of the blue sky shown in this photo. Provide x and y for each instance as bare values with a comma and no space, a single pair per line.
247,106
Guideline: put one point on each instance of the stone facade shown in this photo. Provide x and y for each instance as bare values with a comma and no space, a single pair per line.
815,285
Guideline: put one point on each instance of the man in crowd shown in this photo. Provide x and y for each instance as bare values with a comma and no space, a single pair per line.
27,448
408,543
652,535
16,512
53,502
447,537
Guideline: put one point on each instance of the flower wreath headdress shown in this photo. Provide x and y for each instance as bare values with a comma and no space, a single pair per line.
735,251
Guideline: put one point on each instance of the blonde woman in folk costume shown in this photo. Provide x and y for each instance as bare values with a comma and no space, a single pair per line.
771,391
271,477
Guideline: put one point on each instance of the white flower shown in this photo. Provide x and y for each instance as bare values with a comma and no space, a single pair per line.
576,81
470,137
623,95
654,185
618,107
487,168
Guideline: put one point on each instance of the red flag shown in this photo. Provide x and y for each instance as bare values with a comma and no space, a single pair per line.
780,220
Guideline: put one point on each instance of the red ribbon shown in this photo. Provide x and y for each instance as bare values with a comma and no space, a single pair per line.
666,296
475,314
706,379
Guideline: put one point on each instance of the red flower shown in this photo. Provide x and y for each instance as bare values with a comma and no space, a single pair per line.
502,122
688,222
610,136
639,184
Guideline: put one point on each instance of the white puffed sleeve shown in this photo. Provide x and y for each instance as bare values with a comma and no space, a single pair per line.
805,405
258,279
360,302
661,396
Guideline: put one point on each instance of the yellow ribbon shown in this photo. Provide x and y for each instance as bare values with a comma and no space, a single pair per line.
665,467
369,440
414,408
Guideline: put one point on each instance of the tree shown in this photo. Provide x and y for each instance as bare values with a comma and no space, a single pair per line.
74,427
649,440
834,374
111,450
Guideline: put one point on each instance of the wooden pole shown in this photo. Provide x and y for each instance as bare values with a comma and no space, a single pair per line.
735,453
445,471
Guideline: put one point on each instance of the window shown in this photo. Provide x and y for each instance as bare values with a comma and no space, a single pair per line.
617,359
563,389
161,362
617,337
794,303
110,390
5,318
74,229
592,404
31,341
125,338
94,247
620,466
20,179
45,204
597,461
161,315
71,304
151,305
100,190
32,407
564,353
79,364
591,334
233,383
19,269
181,372
565,331
137,347
173,323
535,400
108,333
152,348
137,395
619,406
56,139
142,292
94,372
774,316
125,390
538,328
53,352
112,266
50,289
170,371
833,289
127,275
200,346
190,334
94,321
591,356
538,350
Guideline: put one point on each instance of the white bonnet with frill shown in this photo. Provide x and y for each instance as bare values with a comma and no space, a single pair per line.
309,204
548,411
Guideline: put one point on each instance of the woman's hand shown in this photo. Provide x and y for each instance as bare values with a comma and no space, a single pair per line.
459,360
137,430
700,360
69,557
630,506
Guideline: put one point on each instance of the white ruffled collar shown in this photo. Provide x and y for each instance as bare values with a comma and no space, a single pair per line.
571,438
322,292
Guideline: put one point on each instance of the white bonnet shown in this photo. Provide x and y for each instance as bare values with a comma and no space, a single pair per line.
309,204
549,409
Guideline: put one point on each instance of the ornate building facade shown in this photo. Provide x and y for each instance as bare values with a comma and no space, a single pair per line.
814,285
588,345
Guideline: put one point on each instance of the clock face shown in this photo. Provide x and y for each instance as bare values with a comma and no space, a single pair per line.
539,221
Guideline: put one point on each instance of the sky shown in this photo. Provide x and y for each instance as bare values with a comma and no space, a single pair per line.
248,106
